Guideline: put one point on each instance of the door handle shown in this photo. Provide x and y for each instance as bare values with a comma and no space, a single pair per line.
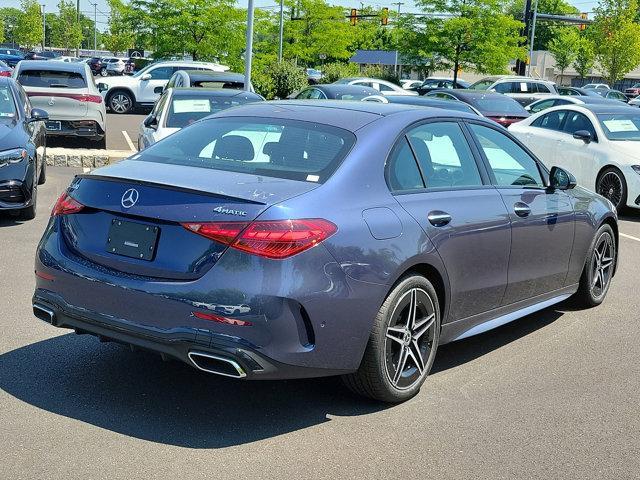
438,218
522,209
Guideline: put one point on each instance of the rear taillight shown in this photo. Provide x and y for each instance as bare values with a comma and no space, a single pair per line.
81,97
272,239
5,73
66,205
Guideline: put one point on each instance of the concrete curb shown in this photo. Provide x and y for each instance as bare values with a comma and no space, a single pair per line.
79,157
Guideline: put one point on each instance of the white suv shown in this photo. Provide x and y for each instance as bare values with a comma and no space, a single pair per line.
124,94
525,90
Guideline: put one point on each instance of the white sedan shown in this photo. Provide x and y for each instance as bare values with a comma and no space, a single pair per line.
599,144
384,87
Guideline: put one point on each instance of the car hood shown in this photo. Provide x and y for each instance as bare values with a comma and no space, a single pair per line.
9,134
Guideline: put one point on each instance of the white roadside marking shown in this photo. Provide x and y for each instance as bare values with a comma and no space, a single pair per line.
128,139
630,237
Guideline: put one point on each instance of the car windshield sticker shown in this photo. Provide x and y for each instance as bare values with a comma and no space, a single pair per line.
6,114
523,86
313,178
621,126
191,105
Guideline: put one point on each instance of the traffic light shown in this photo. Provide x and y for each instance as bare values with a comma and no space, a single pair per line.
384,20
583,26
353,18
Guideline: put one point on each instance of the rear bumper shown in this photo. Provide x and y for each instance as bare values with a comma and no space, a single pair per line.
183,343
78,128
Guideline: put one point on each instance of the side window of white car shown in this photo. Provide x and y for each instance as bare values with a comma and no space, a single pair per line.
161,73
550,121
577,121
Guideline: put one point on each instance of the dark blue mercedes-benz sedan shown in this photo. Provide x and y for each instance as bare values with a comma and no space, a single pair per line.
299,239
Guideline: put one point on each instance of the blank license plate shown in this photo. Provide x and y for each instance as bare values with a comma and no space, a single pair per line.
131,239
52,125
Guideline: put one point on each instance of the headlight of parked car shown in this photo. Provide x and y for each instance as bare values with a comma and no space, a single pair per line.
12,156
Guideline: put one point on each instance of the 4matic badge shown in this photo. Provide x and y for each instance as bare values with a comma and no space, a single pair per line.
229,211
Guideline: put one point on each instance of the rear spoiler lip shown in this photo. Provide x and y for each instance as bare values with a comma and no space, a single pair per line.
107,178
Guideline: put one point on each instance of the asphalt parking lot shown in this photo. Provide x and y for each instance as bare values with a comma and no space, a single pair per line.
122,134
552,396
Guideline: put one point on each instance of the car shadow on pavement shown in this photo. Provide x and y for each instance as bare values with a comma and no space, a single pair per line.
136,394
8,220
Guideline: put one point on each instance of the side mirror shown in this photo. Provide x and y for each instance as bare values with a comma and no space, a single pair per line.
38,115
560,179
151,122
158,90
146,76
528,108
583,135
102,87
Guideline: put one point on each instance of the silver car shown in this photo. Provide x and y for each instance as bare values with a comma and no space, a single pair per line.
67,92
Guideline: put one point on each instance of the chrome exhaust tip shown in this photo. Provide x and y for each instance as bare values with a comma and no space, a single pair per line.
44,313
210,363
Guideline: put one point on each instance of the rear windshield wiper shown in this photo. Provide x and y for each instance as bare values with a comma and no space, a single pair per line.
58,85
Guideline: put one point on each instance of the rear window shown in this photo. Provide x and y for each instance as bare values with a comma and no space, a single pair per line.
51,79
500,105
295,150
218,84
185,110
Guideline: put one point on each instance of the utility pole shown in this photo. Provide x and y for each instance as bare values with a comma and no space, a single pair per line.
533,36
395,64
77,23
526,18
44,26
281,30
95,31
249,49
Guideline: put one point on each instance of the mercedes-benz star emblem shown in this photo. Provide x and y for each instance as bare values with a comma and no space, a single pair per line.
129,198
52,101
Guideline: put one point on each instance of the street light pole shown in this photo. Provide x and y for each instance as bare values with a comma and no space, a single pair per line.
395,62
533,36
44,26
78,23
95,31
281,30
249,49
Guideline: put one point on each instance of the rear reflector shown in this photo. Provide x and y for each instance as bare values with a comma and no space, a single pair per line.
81,97
220,319
66,205
272,239
45,276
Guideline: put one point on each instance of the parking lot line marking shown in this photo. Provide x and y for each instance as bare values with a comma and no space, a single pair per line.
128,139
630,237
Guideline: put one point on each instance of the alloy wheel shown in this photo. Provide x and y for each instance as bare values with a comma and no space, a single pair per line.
120,103
409,338
611,187
602,266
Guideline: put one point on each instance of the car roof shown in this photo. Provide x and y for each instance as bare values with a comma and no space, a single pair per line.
340,113
212,92
469,94
210,74
609,108
51,66
429,102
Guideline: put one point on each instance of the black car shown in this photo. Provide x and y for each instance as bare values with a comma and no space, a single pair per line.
439,83
335,92
500,108
22,148
95,64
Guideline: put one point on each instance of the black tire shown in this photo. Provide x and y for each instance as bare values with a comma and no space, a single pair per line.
598,270
121,102
378,377
29,213
612,185
43,173
103,72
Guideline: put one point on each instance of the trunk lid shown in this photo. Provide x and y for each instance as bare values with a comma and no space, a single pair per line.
59,103
137,208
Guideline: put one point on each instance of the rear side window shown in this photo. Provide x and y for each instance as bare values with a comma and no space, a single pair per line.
444,155
291,149
403,173
51,79
542,88
511,165
505,87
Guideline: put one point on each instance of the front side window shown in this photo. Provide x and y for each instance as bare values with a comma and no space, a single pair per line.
161,73
511,165
271,147
577,121
543,105
403,173
444,155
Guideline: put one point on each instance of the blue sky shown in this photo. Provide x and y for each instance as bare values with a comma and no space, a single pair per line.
87,7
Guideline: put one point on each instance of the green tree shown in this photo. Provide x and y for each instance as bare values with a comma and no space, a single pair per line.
545,31
616,38
337,70
585,55
10,18
322,30
478,35
28,31
66,32
564,48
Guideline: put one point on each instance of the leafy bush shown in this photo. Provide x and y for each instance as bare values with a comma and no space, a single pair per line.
273,79
337,70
